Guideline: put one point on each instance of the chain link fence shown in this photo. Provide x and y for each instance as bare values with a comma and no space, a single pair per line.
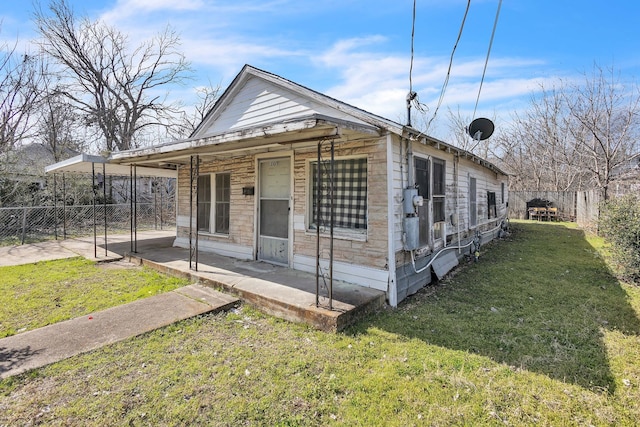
34,208
19,225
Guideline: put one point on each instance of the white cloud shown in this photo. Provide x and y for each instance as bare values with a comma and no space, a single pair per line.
125,9
379,82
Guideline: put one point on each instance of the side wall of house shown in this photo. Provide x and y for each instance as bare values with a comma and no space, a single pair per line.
411,275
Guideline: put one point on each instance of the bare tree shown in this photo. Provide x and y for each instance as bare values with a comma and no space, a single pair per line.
605,124
114,86
19,93
59,125
186,126
573,136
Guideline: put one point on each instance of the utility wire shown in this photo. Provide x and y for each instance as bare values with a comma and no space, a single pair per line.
446,80
495,24
413,30
412,97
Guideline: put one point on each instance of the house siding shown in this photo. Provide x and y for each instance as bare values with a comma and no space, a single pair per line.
259,102
360,258
458,172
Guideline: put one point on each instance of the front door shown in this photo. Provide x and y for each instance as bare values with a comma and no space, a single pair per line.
273,210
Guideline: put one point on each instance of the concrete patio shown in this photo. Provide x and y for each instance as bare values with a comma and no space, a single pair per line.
279,291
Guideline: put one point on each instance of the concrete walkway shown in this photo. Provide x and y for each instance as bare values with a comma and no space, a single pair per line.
40,347
33,349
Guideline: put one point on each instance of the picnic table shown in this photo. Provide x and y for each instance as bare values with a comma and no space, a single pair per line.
543,213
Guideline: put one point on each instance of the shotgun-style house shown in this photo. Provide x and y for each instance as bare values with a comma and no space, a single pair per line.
280,173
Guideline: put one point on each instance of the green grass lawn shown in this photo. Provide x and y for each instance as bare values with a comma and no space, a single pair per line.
538,332
35,295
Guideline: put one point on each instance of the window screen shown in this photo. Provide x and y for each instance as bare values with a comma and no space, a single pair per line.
204,202
223,199
422,182
491,201
350,193
439,190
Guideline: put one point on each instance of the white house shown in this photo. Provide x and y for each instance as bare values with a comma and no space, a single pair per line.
402,203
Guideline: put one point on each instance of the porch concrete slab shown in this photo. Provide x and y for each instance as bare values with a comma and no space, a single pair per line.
31,253
40,347
279,291
73,247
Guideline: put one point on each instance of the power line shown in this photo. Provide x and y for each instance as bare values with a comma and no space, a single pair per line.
484,71
446,80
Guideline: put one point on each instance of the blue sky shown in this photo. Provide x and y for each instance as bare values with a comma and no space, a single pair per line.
358,51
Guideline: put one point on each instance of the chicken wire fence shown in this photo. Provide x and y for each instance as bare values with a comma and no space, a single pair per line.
82,206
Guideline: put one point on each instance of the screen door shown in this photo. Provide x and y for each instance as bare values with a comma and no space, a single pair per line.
273,227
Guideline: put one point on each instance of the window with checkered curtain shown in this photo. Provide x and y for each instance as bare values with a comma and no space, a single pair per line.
350,194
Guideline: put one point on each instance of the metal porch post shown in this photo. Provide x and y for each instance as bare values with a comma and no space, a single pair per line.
93,185
104,195
55,208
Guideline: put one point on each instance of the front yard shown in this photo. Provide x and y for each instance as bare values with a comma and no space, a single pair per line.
537,332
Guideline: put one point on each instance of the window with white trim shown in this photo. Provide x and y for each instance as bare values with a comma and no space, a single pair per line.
214,202
439,190
349,194
473,203
423,184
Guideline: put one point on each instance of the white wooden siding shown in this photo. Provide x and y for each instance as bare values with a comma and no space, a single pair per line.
259,102
487,180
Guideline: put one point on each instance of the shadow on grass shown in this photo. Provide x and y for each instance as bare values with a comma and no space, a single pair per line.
540,301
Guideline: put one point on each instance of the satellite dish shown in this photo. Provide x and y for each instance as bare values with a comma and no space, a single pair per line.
481,128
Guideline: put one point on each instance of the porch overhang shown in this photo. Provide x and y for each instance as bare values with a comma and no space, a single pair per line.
85,164
277,136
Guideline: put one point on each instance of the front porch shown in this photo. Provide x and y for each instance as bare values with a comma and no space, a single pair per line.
279,291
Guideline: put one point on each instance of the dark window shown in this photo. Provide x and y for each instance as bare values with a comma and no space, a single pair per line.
223,202
349,197
473,211
439,190
204,202
491,201
422,182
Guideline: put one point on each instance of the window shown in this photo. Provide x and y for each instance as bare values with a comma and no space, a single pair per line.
422,183
439,190
223,203
491,201
214,202
473,212
204,203
502,193
350,194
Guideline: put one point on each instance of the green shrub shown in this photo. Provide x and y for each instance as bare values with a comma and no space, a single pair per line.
620,224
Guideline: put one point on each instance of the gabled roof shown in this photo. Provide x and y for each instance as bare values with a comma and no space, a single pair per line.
257,97
260,110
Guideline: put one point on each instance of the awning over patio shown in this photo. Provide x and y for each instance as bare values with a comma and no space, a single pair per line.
84,163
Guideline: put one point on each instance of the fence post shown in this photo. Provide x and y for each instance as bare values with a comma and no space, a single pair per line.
24,223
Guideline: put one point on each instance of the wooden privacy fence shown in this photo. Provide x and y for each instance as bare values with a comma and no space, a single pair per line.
582,207
564,201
